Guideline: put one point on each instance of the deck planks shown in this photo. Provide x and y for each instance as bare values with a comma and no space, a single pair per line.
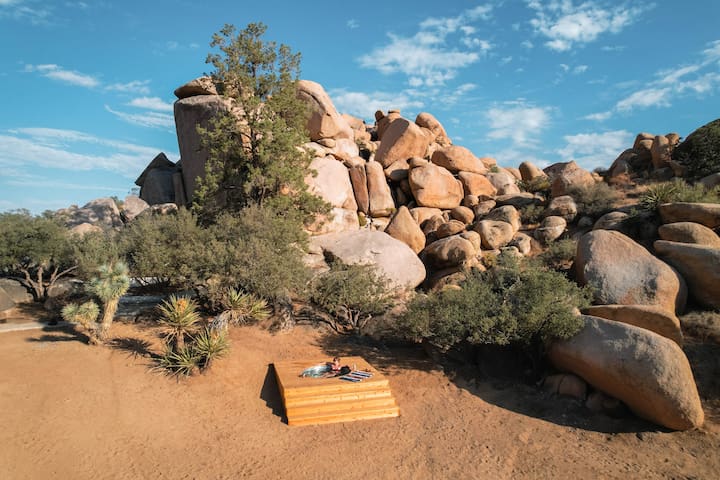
314,401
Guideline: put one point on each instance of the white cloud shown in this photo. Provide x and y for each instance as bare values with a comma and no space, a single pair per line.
518,121
431,57
712,53
352,24
613,48
580,69
648,97
599,117
136,86
527,44
146,119
56,72
565,24
672,76
592,150
151,103
72,150
20,10
364,105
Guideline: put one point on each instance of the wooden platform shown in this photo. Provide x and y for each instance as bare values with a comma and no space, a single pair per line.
313,401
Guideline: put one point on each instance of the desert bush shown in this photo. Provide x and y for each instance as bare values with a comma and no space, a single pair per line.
84,314
93,250
677,191
594,200
531,214
700,152
508,304
536,185
210,345
178,317
181,362
351,295
559,254
239,307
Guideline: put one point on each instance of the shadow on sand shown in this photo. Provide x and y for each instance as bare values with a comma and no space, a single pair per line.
507,392
270,393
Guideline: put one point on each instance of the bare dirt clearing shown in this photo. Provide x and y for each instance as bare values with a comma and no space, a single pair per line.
73,411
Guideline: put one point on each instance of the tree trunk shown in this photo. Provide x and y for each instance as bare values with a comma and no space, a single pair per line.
179,341
107,318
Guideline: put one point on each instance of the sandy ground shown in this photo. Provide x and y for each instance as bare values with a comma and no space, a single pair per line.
73,411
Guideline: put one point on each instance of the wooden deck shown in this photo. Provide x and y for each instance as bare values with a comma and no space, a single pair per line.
313,401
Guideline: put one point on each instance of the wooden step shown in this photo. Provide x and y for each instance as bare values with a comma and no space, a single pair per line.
340,397
311,401
315,419
339,407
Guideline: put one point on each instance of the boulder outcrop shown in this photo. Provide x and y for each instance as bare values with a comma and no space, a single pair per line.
650,317
699,265
648,372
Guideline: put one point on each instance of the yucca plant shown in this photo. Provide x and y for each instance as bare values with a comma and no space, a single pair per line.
111,283
179,361
658,194
179,318
209,345
242,308
85,314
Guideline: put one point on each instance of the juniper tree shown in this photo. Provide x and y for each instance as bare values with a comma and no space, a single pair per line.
253,155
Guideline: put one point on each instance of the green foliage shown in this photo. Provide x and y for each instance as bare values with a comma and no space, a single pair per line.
93,250
594,200
700,152
504,305
352,295
181,362
242,308
36,250
256,161
536,185
677,191
111,283
531,214
210,345
166,247
85,315
559,254
179,317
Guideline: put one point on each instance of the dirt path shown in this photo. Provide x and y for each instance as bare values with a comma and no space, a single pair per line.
68,410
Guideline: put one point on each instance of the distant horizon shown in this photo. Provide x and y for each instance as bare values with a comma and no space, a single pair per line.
89,87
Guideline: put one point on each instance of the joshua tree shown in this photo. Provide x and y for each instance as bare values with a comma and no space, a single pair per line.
109,285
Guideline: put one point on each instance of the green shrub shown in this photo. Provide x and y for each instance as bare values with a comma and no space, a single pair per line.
559,253
351,295
700,152
178,317
536,185
531,214
594,200
85,315
210,345
677,191
181,362
110,283
504,305
239,307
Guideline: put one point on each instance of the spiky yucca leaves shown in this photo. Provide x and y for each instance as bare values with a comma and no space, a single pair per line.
110,283
242,308
658,194
209,345
85,314
179,361
179,318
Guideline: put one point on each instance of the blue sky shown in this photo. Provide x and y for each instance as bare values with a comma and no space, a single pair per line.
88,85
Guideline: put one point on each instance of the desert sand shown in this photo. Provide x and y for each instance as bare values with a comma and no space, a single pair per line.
72,411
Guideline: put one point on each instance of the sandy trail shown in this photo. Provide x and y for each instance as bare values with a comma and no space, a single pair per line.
73,411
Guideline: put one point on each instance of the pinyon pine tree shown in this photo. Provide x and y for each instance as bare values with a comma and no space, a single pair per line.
253,153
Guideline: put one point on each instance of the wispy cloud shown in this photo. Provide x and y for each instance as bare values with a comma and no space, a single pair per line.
60,74
140,87
566,25
151,103
352,24
146,119
518,121
592,150
433,55
699,78
24,10
27,148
